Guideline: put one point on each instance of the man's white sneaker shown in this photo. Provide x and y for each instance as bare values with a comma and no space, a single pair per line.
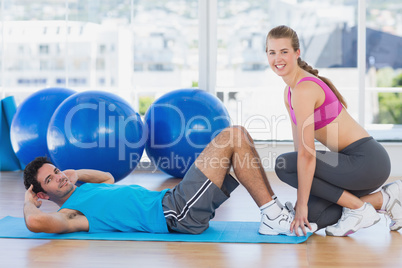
353,220
394,207
281,224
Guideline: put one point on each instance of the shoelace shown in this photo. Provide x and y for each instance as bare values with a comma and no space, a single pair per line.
290,207
288,211
391,216
345,212
286,215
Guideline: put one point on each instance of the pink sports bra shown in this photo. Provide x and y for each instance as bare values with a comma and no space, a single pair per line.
327,112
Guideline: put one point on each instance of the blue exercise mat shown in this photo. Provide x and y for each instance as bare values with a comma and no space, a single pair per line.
8,159
218,232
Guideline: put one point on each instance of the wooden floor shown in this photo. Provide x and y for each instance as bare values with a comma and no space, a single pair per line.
372,247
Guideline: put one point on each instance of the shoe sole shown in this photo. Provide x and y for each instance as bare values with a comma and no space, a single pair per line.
267,232
352,231
313,226
397,229
392,228
292,234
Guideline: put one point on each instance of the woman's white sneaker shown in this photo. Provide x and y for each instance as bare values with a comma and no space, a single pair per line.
394,207
353,220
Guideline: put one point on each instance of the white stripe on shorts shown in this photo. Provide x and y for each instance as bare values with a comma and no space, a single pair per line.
190,203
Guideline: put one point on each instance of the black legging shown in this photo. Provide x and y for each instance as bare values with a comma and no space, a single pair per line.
360,168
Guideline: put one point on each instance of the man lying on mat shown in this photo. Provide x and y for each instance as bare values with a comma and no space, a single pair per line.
101,206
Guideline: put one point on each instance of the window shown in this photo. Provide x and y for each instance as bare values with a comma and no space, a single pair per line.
101,81
384,64
251,91
164,57
100,64
102,49
151,47
44,49
44,65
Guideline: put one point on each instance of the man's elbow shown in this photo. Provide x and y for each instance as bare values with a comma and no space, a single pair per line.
39,224
34,224
110,179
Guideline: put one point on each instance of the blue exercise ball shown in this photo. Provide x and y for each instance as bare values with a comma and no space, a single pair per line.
29,125
96,130
180,125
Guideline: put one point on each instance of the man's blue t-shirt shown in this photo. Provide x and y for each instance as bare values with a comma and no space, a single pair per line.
125,208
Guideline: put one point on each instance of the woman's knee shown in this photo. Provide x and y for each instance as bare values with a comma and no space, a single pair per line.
326,216
285,169
284,163
279,167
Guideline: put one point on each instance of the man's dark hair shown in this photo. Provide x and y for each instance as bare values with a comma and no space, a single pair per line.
31,173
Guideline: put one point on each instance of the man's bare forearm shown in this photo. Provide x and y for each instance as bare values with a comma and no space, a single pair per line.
94,176
32,216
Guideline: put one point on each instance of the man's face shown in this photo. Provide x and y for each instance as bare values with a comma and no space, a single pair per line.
55,183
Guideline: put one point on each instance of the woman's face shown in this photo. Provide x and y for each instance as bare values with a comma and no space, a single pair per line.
281,57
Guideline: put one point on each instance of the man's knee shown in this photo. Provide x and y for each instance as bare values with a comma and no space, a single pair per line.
241,133
239,128
234,133
236,130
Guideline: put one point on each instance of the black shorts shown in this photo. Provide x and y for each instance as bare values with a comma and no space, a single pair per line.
191,204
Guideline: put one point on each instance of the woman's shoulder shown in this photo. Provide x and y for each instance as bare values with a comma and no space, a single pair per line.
311,82
309,85
308,91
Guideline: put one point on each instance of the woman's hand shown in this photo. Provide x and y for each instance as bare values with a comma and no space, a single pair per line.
300,220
